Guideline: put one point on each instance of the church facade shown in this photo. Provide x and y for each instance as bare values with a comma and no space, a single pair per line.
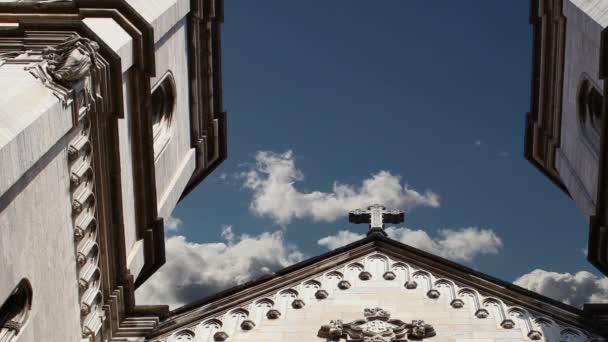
111,112
377,289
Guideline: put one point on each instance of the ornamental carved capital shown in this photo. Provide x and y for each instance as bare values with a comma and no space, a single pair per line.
376,327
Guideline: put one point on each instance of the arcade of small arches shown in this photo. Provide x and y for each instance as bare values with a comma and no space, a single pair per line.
314,290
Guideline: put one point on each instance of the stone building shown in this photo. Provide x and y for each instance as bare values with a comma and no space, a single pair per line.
111,111
566,133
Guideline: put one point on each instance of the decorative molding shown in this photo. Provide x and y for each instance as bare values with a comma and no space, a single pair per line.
85,230
207,116
324,285
543,121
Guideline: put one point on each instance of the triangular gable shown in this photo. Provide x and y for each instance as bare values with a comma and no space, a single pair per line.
373,272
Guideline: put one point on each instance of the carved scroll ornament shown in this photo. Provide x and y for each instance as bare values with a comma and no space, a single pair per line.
376,327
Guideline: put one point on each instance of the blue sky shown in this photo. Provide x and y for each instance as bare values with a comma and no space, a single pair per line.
434,92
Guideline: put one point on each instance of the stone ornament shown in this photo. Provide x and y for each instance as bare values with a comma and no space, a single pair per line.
507,324
220,336
420,330
64,66
344,285
482,313
365,275
376,327
297,303
71,60
273,314
333,330
321,294
410,284
247,324
389,275
433,294
457,303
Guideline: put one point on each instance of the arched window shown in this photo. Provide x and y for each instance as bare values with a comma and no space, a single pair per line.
14,312
161,111
589,102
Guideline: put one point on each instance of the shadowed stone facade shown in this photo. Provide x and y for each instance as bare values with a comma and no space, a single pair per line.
566,128
110,113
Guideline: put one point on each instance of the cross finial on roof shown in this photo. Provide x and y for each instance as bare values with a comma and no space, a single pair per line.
376,215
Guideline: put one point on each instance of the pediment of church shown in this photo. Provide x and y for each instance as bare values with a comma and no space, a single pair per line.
377,290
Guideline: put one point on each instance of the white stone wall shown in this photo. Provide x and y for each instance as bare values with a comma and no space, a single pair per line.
36,234
576,160
176,162
161,14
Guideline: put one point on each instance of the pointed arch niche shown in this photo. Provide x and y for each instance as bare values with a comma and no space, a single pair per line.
590,116
14,312
162,107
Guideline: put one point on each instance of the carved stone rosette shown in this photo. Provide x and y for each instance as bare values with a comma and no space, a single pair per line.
376,327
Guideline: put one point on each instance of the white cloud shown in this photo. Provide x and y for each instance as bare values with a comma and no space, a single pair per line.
574,289
172,224
272,180
461,245
227,234
343,238
504,154
477,143
194,270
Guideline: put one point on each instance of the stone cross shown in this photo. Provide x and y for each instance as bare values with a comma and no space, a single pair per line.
376,215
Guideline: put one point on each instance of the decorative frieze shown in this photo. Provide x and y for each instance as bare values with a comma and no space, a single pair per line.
85,227
533,326
376,327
